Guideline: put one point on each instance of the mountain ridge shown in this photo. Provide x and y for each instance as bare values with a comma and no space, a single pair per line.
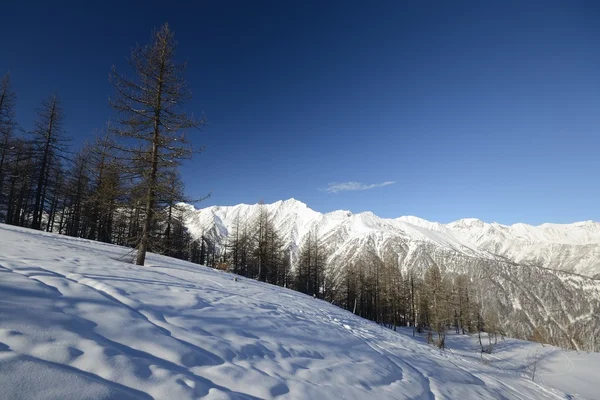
573,247
412,219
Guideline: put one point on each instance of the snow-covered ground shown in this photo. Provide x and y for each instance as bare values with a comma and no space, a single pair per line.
78,322
574,373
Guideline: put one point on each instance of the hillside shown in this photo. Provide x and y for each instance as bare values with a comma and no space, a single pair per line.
77,322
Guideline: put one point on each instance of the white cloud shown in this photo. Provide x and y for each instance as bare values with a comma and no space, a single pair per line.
353,186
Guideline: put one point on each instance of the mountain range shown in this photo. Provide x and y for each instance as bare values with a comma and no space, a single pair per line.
565,247
534,276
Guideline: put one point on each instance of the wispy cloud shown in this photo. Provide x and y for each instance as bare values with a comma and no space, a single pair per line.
353,186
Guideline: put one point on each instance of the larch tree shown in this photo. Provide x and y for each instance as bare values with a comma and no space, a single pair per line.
311,266
107,188
20,175
151,118
437,298
462,304
172,215
236,240
49,143
413,300
77,193
263,220
7,124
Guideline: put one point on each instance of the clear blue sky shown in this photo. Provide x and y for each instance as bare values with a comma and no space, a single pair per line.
473,109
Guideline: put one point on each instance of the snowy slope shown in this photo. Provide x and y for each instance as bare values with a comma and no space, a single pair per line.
571,372
76,322
567,247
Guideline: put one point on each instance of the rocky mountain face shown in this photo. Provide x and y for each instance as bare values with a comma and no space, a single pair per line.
545,277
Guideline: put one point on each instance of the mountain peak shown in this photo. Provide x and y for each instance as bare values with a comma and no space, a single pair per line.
293,201
467,223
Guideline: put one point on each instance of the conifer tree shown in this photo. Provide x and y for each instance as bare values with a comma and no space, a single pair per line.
50,143
7,126
149,109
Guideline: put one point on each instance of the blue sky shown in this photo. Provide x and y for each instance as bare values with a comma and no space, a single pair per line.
444,110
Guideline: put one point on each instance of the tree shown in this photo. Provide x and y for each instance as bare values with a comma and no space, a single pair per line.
21,174
149,111
285,268
394,294
436,293
310,270
174,236
413,300
276,256
56,203
7,125
49,142
77,190
263,222
107,188
235,244
461,303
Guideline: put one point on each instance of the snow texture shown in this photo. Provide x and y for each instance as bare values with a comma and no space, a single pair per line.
78,322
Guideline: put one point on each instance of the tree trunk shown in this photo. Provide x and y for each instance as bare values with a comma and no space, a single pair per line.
150,196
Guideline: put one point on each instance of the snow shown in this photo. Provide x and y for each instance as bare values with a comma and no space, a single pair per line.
78,322
572,372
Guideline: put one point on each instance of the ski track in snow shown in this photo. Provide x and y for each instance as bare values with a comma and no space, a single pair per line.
77,323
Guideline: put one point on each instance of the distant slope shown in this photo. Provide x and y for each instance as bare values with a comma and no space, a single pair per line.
566,247
572,372
77,323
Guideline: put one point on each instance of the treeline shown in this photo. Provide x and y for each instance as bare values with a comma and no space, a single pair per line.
122,187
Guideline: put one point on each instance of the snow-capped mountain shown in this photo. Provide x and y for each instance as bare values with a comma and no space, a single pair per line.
528,271
566,247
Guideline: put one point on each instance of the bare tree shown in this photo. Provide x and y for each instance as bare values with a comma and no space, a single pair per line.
77,190
310,269
436,291
50,142
7,124
262,223
149,110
